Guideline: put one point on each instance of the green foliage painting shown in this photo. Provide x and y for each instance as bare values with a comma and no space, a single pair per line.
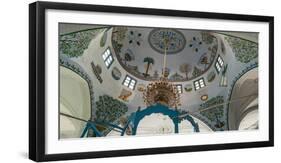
109,109
244,50
211,76
196,72
149,61
207,37
74,44
211,108
103,39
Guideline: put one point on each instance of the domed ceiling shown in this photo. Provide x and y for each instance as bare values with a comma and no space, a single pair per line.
122,64
190,53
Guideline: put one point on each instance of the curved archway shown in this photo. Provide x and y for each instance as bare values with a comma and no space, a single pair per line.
158,108
250,120
244,93
74,101
155,124
186,127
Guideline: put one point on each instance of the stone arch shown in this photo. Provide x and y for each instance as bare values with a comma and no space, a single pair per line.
75,100
244,92
249,118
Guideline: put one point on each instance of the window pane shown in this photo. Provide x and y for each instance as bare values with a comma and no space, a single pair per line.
129,82
109,58
126,83
105,54
217,65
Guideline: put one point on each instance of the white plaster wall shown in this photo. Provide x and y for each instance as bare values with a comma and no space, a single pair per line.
74,101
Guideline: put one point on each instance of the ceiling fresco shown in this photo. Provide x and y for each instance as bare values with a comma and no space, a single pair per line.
201,69
140,51
157,39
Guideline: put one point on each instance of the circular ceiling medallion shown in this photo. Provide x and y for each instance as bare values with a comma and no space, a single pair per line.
188,87
116,73
141,87
176,40
204,97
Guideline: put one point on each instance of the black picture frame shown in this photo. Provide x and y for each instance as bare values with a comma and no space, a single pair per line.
37,80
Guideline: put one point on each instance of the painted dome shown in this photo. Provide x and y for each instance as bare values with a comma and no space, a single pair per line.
190,53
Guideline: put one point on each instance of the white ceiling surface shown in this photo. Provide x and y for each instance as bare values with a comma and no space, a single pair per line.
190,100
187,55
173,62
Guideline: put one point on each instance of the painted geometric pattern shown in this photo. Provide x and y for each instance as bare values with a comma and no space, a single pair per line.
176,40
74,44
244,50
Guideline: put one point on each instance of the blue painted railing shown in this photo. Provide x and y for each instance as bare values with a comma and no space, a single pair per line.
137,116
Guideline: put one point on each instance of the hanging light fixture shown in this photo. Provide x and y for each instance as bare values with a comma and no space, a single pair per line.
162,91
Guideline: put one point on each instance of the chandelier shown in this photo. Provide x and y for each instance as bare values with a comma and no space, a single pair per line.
162,91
